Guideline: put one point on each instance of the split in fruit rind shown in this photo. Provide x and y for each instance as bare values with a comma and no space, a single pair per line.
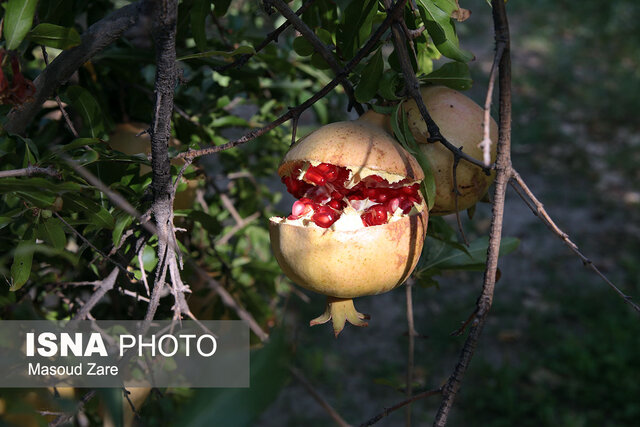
357,145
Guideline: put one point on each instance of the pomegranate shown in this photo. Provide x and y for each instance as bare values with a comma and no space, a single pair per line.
460,120
359,223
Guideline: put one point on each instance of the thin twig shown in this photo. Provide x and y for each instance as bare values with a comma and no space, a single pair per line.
272,36
399,405
64,418
230,302
319,47
538,210
92,246
314,393
30,171
410,349
486,142
308,103
503,168
67,119
105,286
456,195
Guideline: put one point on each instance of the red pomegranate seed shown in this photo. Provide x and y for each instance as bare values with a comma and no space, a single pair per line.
393,204
411,189
296,187
314,176
329,171
318,194
301,207
406,205
343,175
375,215
355,197
337,204
325,216
336,195
375,178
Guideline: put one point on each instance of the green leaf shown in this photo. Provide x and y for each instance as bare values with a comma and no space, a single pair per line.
439,256
85,104
18,17
55,36
388,85
452,74
221,7
102,219
242,50
356,24
22,259
302,46
370,78
51,231
209,223
436,16
37,198
199,12
318,61
121,224
400,126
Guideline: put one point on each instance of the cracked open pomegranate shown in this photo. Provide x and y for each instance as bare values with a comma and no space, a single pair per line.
359,223
460,120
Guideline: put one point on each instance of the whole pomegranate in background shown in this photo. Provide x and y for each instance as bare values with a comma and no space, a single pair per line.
124,138
359,223
460,121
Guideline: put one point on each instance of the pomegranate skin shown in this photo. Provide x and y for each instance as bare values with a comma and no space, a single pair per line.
349,264
460,120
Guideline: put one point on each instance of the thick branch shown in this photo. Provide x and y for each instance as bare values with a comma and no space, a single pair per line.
319,47
94,40
503,167
165,15
296,111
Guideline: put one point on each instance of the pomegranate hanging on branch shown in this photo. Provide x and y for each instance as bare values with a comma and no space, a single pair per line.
360,220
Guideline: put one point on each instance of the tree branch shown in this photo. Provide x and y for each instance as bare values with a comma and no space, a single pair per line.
412,86
397,406
296,111
319,47
30,171
272,36
538,210
164,18
94,40
312,391
503,167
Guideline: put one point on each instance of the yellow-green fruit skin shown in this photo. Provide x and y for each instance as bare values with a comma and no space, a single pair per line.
460,121
366,261
349,264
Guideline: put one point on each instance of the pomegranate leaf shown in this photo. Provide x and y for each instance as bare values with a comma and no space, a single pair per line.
400,127
436,16
371,77
18,18
452,74
22,259
199,12
55,36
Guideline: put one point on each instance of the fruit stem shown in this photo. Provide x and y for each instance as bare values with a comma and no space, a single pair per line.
339,311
